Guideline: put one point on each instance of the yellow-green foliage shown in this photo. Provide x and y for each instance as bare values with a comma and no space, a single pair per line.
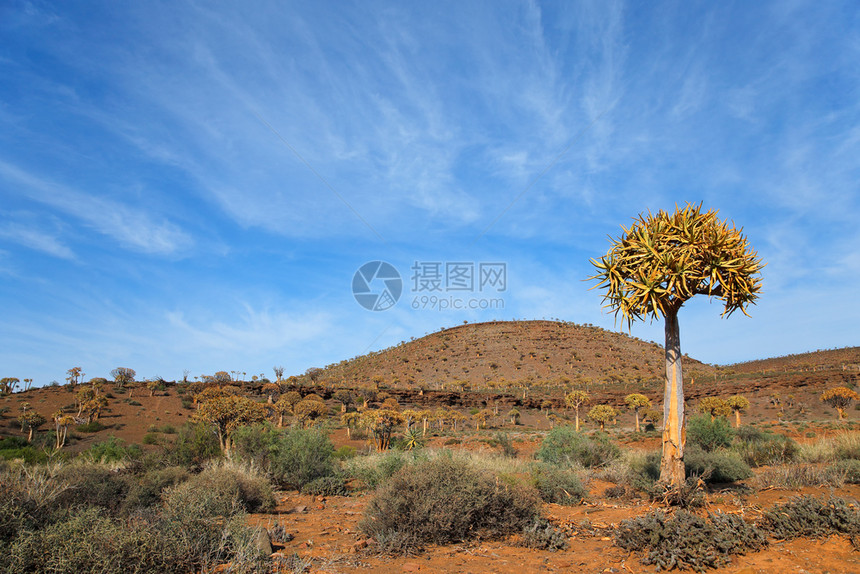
665,259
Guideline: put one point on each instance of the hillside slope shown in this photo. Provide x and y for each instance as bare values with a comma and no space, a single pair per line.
505,353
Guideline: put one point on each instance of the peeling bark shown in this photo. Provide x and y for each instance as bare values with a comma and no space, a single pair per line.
674,423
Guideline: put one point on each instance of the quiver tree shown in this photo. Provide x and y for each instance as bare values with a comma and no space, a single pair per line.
345,398
123,376
270,390
636,402
514,415
228,413
61,424
714,406
658,264
8,384
602,414
840,398
31,421
309,410
76,375
738,403
574,400
350,421
283,406
279,373
380,424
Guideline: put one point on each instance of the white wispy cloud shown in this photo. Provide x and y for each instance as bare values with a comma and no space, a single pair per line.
132,227
28,236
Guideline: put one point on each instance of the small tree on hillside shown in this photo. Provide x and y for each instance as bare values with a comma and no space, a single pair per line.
714,406
75,376
658,264
574,400
380,423
840,398
345,398
602,414
737,403
31,421
123,376
8,384
228,413
309,410
61,425
279,373
514,415
635,402
270,390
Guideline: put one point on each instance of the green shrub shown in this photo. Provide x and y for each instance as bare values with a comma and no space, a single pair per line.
92,484
299,456
253,443
147,490
372,471
811,517
90,427
709,434
249,488
326,486
344,452
760,448
150,438
112,450
28,498
444,500
194,445
716,466
565,446
17,448
688,541
558,485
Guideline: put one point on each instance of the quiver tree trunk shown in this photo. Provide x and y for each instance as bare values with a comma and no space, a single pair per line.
674,424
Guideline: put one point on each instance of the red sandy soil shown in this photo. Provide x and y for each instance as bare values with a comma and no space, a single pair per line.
326,532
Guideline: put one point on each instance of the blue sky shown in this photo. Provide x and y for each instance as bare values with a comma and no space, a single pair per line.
191,185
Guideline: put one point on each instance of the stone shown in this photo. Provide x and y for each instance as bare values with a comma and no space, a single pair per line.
262,542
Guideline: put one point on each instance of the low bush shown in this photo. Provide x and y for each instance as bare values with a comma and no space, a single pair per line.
444,500
688,541
194,445
344,452
558,485
17,448
564,445
112,450
542,535
799,475
709,434
850,469
326,486
374,470
251,489
716,466
92,484
760,448
147,490
90,427
299,456
812,517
